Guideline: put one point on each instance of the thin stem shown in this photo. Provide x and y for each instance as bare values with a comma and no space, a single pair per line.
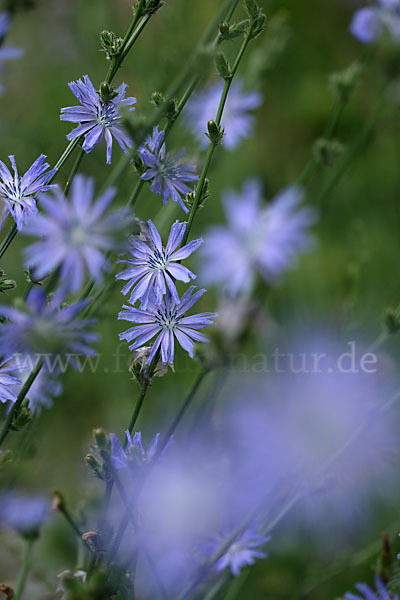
23,574
21,397
136,412
74,170
71,521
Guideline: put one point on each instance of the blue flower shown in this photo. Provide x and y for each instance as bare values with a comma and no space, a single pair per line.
44,328
8,382
6,52
382,592
369,23
259,239
25,514
134,451
154,268
237,121
18,192
241,552
166,170
74,234
166,320
96,117
43,389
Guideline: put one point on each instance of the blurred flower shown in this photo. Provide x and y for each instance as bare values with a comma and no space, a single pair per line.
241,551
17,192
74,234
97,118
134,450
371,22
44,328
382,592
257,239
43,389
25,514
8,382
167,321
155,268
237,123
166,170
6,52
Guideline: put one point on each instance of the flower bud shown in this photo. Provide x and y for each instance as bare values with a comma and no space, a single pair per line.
326,151
107,92
223,66
110,43
101,439
343,83
215,132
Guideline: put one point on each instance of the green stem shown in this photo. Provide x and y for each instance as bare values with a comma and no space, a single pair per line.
74,170
72,523
23,574
21,397
213,145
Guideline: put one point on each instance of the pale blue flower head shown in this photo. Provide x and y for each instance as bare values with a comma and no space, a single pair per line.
370,23
243,550
18,192
74,235
26,514
167,321
166,171
45,328
154,268
237,120
382,593
97,118
135,454
8,382
257,239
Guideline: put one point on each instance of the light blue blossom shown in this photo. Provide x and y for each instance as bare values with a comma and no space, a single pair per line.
134,452
74,234
44,328
242,551
237,121
6,52
154,268
26,514
8,382
370,23
258,239
166,171
18,192
97,118
382,593
166,320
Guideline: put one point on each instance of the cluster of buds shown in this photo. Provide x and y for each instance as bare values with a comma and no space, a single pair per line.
111,43
148,7
205,193
229,32
169,107
326,151
257,19
343,83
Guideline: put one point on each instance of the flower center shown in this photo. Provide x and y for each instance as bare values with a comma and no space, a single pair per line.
13,192
158,261
76,236
107,115
167,319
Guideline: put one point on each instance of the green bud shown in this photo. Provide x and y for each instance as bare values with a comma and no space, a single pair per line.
110,43
171,110
6,284
343,83
252,8
230,32
257,26
215,132
392,320
107,92
95,465
101,439
223,66
152,6
139,165
23,416
157,98
325,151
189,198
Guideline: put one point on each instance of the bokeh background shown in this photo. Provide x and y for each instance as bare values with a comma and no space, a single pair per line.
346,283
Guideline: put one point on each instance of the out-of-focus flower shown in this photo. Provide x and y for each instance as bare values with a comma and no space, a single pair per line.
26,514
7,381
44,389
237,122
382,593
166,171
74,234
134,450
371,22
166,320
154,268
44,328
6,52
18,192
264,240
97,118
242,551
